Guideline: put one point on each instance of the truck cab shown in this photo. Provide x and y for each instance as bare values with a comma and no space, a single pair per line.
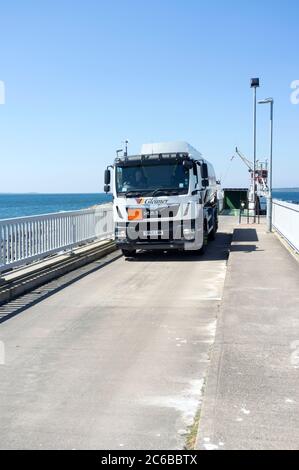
165,198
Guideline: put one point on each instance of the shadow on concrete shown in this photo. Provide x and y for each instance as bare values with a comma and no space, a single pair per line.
18,305
216,250
244,248
245,235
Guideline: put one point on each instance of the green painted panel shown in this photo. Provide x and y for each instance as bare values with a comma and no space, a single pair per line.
233,199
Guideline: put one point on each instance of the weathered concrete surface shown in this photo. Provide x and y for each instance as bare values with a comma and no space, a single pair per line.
251,399
20,281
118,359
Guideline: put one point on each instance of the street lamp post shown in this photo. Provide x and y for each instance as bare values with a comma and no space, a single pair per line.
255,83
269,197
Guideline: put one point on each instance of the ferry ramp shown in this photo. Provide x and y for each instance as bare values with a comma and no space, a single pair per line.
117,359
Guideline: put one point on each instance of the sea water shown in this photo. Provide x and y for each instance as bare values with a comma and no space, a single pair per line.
20,205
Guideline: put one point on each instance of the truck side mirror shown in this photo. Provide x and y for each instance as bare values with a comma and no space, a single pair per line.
107,188
204,171
188,164
107,177
205,183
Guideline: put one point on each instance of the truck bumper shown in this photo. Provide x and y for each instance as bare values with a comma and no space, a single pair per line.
177,235
152,245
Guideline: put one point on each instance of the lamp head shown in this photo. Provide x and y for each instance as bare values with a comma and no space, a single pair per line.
255,83
266,101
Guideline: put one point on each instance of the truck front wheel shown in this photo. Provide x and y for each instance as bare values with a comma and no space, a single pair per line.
212,234
202,250
129,253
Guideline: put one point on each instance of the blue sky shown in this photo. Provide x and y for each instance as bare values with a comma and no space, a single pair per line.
82,76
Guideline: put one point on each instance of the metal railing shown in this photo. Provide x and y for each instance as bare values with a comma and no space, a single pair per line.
286,221
27,239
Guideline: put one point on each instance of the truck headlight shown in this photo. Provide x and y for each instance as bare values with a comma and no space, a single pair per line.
189,233
121,234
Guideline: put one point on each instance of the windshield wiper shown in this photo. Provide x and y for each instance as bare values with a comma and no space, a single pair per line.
133,194
157,191
167,192
174,192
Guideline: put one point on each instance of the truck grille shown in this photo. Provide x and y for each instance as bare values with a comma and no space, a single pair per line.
162,213
172,231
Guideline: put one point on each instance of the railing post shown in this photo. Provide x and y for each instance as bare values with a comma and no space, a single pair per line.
2,245
26,239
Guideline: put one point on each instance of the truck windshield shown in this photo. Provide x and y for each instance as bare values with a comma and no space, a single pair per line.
156,179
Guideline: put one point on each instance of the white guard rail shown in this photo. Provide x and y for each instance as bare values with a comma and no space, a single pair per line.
27,239
286,221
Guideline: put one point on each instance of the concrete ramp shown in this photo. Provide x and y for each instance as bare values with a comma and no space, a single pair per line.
251,399
116,360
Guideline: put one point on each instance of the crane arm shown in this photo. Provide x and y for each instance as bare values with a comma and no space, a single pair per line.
247,162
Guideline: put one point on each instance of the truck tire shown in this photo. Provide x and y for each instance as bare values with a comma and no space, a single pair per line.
212,234
202,250
129,253
216,222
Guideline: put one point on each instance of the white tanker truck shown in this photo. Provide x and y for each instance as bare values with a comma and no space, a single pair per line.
165,198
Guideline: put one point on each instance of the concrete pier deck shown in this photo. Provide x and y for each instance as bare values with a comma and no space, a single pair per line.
117,359
251,400
128,354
